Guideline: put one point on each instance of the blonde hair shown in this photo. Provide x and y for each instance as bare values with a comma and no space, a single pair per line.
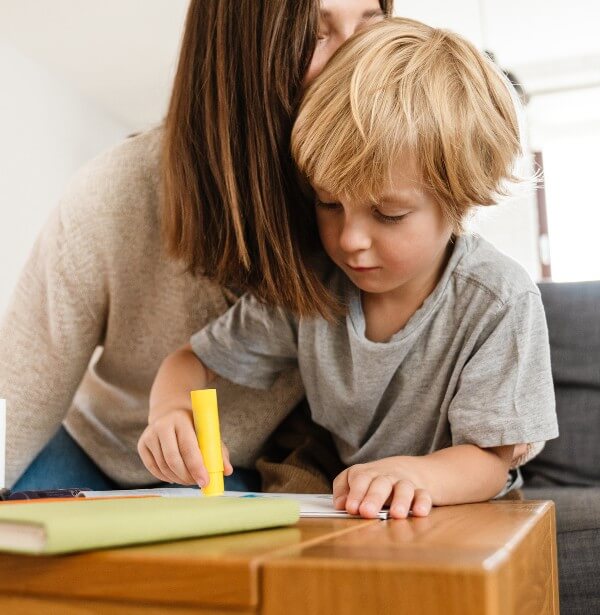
401,87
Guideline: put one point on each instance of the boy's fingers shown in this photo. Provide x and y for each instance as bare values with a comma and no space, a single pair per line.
148,460
227,467
377,494
359,483
421,506
156,446
404,492
173,458
340,490
192,457
153,446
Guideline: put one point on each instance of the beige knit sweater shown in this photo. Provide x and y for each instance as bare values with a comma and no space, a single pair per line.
97,308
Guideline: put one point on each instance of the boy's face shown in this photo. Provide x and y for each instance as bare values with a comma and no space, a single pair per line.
396,246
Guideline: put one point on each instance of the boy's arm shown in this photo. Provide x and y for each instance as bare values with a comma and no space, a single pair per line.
462,473
455,475
180,373
251,344
168,446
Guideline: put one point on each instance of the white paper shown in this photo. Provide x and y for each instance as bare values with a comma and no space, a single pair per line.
2,442
318,505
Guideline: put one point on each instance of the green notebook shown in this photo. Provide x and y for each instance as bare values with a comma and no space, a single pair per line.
81,524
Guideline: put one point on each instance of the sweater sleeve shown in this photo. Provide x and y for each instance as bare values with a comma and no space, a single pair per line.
48,334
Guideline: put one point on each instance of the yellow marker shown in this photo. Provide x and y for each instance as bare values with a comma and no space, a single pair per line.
206,423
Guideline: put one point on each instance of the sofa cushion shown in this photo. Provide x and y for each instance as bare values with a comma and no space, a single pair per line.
577,508
573,315
578,544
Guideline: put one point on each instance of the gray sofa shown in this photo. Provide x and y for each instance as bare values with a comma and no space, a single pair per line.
568,469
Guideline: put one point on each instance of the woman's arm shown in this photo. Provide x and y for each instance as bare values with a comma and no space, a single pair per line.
48,334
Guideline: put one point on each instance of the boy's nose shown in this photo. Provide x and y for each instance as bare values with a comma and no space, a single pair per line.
354,238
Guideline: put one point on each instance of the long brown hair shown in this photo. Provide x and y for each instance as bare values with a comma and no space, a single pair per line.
230,192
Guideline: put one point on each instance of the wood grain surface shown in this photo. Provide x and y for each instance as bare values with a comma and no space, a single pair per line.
494,558
220,571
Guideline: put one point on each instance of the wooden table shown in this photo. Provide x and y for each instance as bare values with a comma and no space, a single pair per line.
496,558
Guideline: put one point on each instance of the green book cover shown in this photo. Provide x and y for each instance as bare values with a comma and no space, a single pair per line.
81,524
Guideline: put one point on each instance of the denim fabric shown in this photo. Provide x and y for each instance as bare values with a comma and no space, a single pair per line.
63,464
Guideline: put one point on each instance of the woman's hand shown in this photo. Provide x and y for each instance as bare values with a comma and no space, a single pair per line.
169,449
364,489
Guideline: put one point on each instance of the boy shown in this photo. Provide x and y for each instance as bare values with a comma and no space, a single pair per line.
436,381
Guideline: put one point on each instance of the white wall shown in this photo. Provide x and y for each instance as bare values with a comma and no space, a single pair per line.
541,31
566,128
461,16
48,131
512,225
119,53
554,48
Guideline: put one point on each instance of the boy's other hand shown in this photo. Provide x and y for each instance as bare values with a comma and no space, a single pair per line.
169,449
364,489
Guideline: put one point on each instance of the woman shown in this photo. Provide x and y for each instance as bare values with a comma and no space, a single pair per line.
157,237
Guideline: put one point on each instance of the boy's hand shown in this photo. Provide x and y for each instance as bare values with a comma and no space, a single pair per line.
364,489
169,449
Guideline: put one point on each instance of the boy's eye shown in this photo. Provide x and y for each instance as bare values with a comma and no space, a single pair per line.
330,206
388,219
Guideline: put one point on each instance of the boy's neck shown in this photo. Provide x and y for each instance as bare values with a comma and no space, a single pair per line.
387,313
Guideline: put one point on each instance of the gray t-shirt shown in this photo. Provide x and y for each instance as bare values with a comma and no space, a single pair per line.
472,365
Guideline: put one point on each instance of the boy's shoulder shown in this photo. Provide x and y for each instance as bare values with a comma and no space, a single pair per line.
485,267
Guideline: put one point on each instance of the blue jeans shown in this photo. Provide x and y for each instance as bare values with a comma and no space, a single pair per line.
62,464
